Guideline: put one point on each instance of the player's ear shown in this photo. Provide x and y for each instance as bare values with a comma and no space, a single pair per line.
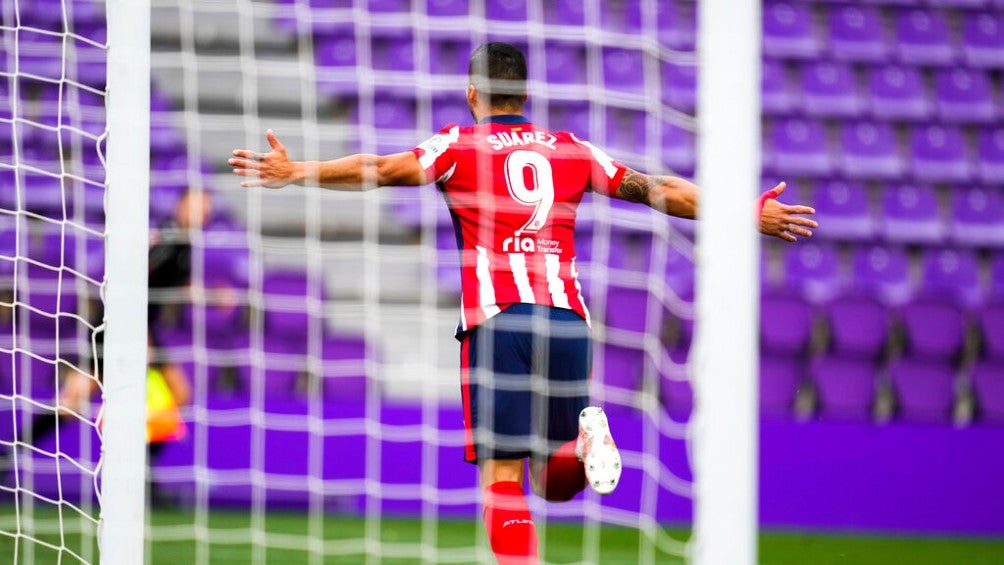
472,95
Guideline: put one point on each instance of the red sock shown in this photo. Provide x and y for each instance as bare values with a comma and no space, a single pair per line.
564,475
510,526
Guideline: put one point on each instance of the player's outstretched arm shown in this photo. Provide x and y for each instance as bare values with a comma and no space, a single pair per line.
679,197
669,195
356,172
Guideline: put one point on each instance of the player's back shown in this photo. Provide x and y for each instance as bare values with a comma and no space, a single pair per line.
513,189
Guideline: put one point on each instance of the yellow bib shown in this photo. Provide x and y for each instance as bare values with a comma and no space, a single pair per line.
163,419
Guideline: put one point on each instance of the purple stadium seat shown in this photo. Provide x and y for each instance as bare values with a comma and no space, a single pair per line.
897,93
288,23
910,214
869,150
978,216
40,15
389,5
934,328
856,34
44,195
94,259
286,303
449,8
859,326
829,90
43,138
777,97
8,252
623,69
788,31
394,111
92,73
845,387
448,54
569,116
922,38
625,129
987,379
679,87
997,274
991,155
798,147
449,109
622,17
51,298
226,260
566,62
622,368
964,95
813,268
925,391
336,46
843,208
677,395
678,149
991,324
165,139
959,3
939,154
36,378
677,24
447,260
679,272
630,250
40,54
983,39
627,308
344,358
883,272
506,10
953,273
391,49
779,380
785,324
564,12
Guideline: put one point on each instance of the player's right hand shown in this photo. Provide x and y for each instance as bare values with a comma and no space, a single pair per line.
271,170
783,221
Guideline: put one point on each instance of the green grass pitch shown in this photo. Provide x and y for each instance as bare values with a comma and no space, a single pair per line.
225,534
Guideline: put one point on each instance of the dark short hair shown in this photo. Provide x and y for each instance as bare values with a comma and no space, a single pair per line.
499,70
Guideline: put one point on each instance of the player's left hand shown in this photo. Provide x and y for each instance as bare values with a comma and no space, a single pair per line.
783,221
271,170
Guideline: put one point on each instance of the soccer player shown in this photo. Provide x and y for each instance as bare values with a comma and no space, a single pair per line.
512,189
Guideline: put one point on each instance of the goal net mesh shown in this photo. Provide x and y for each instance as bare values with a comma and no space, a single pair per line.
52,129
324,422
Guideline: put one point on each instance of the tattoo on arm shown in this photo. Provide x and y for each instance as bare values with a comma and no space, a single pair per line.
635,186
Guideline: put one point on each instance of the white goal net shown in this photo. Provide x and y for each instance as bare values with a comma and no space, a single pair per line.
318,417
52,232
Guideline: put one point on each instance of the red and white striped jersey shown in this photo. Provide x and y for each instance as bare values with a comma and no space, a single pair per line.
513,190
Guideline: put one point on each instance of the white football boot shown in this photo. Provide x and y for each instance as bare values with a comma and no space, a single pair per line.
597,451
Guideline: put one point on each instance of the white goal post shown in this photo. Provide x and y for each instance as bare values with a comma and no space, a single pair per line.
724,359
127,215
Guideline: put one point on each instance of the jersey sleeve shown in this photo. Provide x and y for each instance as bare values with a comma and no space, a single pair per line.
435,156
605,174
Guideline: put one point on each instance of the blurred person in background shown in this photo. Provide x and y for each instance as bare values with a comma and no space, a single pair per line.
168,387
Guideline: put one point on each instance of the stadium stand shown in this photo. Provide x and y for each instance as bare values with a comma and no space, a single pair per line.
884,114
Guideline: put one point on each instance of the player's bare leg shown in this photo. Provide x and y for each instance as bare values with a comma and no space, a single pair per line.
511,531
560,477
